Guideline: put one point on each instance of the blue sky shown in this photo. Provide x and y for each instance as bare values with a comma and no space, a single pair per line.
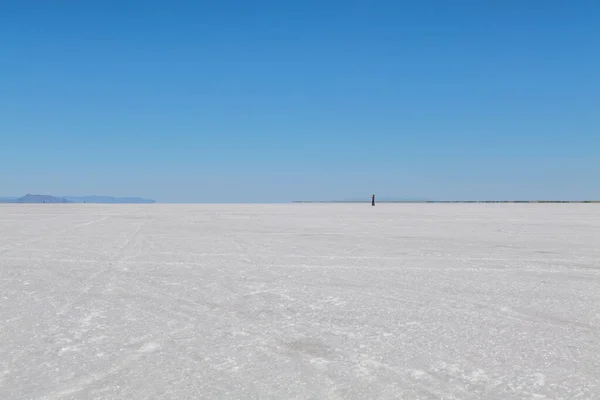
252,101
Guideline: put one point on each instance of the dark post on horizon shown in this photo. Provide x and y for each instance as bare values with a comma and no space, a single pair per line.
373,200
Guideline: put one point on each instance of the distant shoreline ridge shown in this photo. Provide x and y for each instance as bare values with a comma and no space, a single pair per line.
44,198
453,201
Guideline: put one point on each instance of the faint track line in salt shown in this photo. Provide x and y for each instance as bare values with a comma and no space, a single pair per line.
54,233
89,282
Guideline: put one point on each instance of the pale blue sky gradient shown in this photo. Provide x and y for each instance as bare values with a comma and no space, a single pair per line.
252,101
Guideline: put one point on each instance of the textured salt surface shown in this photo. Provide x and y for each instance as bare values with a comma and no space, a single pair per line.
300,301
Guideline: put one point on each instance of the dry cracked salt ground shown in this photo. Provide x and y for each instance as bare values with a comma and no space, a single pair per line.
300,301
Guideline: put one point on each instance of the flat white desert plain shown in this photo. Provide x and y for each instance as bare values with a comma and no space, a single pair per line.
332,301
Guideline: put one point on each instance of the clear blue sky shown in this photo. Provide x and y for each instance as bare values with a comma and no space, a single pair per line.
250,101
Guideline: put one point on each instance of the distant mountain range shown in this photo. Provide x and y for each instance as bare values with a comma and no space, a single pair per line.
109,200
42,198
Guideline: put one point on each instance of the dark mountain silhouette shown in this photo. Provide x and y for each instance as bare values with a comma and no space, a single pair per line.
40,198
43,198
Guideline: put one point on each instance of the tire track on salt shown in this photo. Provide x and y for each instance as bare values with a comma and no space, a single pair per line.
113,262
57,232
